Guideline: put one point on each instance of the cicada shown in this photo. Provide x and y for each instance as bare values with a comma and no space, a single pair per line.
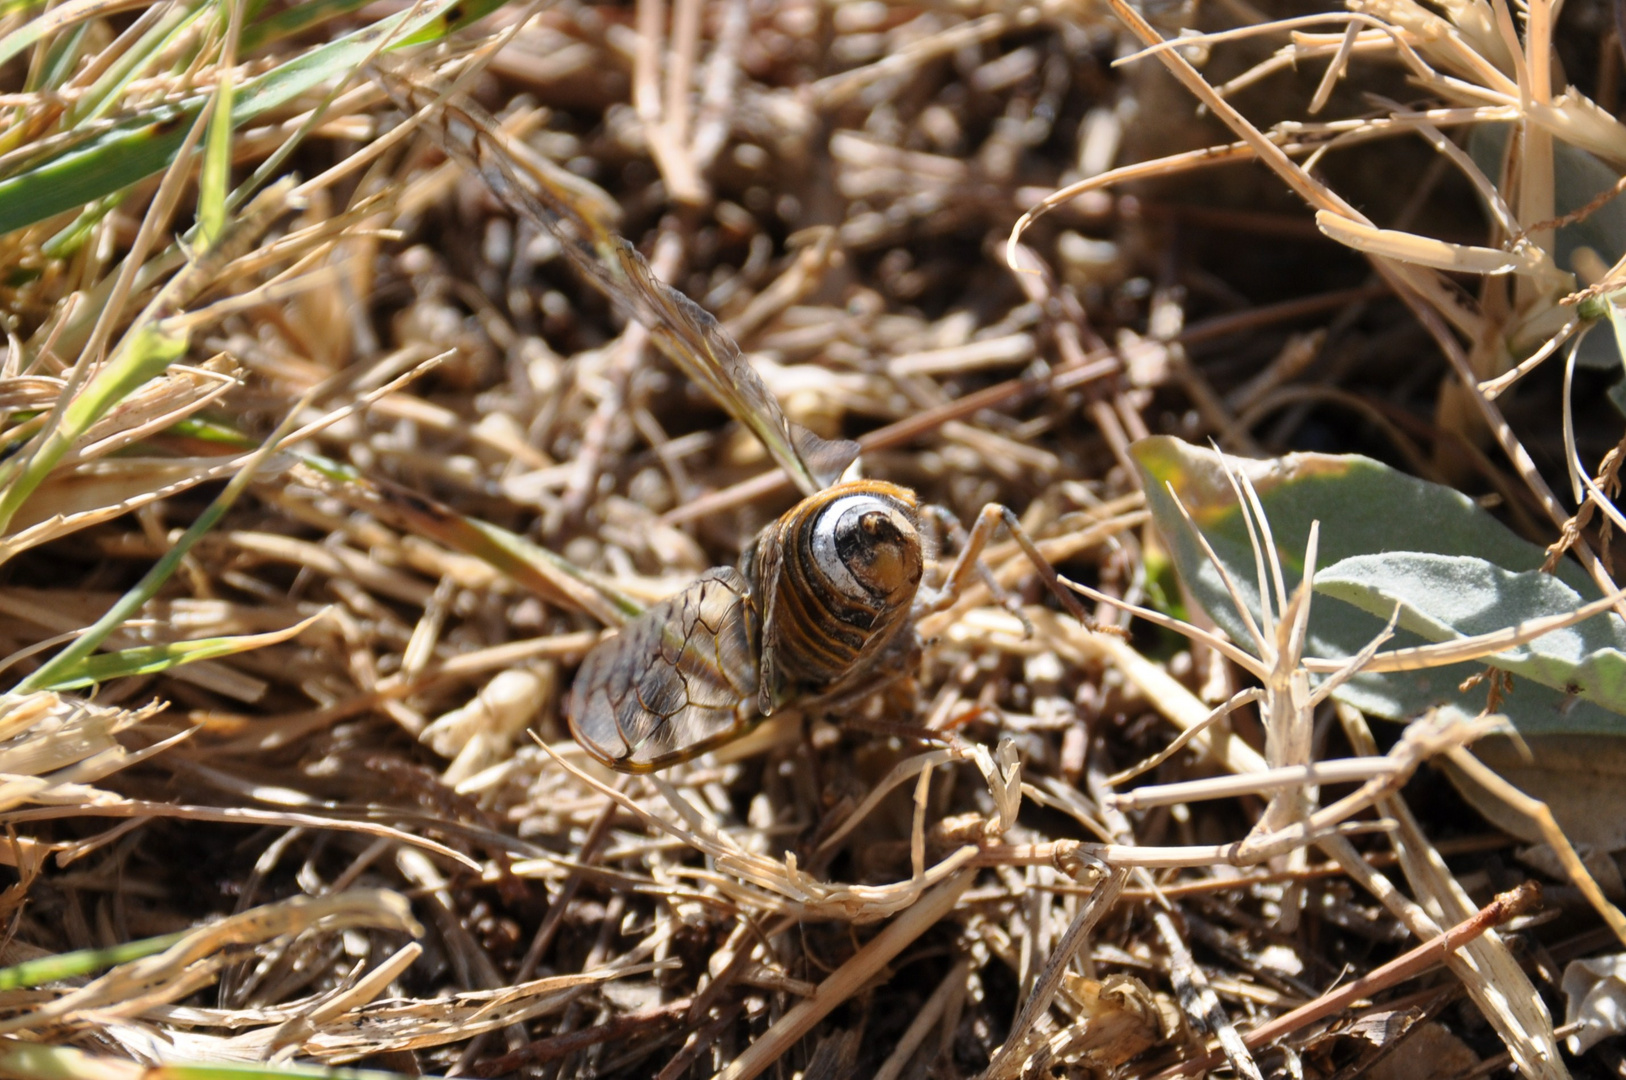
817,600
821,597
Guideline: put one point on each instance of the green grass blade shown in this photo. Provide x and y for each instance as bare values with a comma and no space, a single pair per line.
123,155
298,19
145,589
61,59
211,432
18,7
215,178
155,659
70,965
68,15
69,240
135,149
31,1061
144,355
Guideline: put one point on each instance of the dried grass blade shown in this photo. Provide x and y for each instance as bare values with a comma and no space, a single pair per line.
61,18
1538,812
132,983
848,979
536,568
680,328
421,1025
52,670
1007,1062
1505,906
151,345
1490,973
936,1006
135,808
1425,251
1477,647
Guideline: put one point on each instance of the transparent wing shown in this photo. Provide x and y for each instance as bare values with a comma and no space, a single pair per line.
682,329
678,680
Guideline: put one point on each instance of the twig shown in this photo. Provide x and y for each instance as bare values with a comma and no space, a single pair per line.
1505,906
846,980
921,1026
1100,901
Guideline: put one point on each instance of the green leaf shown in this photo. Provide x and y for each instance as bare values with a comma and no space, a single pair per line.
153,659
134,149
1445,597
297,19
1365,509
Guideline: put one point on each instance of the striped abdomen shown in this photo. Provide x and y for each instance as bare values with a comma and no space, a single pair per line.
838,575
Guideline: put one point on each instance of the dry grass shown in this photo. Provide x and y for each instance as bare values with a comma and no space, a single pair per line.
361,812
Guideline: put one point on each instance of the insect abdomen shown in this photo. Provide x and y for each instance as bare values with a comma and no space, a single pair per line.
849,564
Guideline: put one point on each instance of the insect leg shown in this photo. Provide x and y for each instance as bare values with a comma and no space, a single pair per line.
970,560
970,557
967,561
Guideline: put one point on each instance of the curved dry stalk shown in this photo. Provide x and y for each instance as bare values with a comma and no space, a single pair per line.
782,878
849,978
1240,698
903,770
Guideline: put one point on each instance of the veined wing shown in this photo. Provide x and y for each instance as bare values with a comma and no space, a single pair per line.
675,682
680,328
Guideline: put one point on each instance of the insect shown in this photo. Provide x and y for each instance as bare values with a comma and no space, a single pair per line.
820,599
816,601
